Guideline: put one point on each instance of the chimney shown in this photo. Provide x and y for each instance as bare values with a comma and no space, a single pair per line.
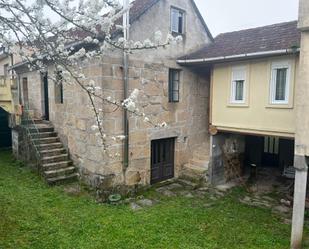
303,22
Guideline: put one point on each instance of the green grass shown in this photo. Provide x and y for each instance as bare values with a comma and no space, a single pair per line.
33,215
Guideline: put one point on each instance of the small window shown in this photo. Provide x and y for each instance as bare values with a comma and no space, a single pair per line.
238,85
177,21
173,88
279,93
25,92
59,89
6,70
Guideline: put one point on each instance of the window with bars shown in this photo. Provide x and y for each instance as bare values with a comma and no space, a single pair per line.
280,83
238,85
177,20
173,86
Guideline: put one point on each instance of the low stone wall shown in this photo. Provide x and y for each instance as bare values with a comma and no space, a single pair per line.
23,149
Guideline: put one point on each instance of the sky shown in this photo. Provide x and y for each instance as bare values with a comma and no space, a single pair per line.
230,15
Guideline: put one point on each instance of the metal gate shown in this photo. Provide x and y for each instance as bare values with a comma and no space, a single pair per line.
5,131
162,159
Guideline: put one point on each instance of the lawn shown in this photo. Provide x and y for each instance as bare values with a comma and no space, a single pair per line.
33,215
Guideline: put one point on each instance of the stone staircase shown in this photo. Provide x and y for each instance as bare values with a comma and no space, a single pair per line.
197,168
56,166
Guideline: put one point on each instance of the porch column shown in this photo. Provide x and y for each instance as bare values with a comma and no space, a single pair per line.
301,171
301,127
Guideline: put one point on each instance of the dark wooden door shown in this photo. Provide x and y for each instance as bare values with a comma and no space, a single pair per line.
25,93
5,131
162,159
46,97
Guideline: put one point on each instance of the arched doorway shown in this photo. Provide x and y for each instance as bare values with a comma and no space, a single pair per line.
5,131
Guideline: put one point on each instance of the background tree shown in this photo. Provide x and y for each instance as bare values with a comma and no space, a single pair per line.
64,32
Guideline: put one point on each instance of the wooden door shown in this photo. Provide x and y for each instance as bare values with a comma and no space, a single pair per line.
162,159
25,93
46,97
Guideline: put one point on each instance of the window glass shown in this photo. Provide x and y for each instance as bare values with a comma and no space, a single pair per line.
279,89
281,84
239,92
177,21
238,85
174,78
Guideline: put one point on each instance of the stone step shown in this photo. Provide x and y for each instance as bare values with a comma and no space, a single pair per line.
199,163
47,140
57,165
44,134
55,159
50,146
41,121
53,152
42,129
59,172
63,178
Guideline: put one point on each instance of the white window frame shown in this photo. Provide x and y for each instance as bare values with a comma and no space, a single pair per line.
243,70
274,67
183,20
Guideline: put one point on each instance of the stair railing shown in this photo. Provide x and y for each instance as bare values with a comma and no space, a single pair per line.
32,132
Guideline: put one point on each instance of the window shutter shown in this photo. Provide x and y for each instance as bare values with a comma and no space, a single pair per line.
239,73
174,20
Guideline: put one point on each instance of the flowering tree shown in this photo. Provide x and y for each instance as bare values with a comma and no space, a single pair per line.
80,31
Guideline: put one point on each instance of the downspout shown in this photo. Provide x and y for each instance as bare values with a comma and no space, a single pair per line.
126,25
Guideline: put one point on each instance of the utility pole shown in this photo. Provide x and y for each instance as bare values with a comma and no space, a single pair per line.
302,124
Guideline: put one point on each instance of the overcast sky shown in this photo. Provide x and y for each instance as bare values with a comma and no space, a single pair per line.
230,15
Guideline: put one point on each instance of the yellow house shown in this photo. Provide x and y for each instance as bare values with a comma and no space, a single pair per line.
253,74
5,81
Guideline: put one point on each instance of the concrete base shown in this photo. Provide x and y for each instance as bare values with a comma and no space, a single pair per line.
299,208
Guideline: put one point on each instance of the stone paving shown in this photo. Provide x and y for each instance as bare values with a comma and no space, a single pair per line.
187,189
179,188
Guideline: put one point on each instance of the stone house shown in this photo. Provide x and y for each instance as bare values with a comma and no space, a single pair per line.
170,93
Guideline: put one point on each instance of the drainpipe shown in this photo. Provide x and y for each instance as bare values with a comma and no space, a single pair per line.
126,25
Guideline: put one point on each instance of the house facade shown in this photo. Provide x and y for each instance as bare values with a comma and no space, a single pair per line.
169,93
7,91
5,81
254,74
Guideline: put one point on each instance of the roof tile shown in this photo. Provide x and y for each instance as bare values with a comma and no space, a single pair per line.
268,38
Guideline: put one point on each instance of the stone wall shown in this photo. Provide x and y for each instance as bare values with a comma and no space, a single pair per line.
187,120
35,92
23,149
148,71
157,18
227,157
